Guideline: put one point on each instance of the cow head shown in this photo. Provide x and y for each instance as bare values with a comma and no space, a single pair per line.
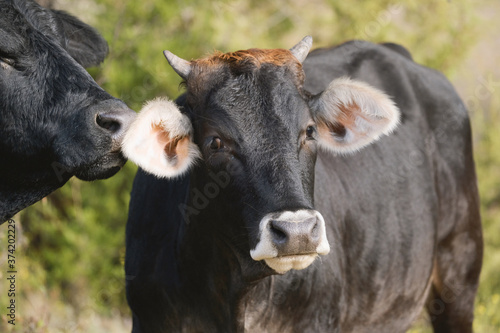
55,121
247,113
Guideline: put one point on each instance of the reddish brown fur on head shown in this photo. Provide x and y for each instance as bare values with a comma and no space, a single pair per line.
256,57
244,61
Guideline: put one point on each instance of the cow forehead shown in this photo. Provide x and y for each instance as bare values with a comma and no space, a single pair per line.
251,87
29,29
22,14
246,108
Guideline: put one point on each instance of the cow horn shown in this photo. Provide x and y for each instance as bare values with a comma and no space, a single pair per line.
301,50
180,66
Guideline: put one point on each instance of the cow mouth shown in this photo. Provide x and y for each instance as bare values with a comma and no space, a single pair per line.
103,168
285,263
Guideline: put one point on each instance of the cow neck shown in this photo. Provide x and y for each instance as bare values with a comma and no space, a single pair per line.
215,275
17,193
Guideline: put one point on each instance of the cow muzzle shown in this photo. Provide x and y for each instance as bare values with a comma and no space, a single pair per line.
291,240
114,118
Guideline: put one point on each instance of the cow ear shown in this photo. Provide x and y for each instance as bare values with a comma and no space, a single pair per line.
160,140
82,41
352,114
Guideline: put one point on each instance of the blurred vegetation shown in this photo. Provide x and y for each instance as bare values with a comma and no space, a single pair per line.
71,251
486,122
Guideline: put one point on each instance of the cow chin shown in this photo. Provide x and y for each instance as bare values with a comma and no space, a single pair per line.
283,264
97,173
104,168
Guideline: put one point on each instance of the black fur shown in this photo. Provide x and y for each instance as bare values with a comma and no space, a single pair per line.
51,110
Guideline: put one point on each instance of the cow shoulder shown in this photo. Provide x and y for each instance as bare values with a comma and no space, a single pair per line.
399,49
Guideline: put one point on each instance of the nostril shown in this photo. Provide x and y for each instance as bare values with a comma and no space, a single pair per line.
315,231
278,234
110,124
312,227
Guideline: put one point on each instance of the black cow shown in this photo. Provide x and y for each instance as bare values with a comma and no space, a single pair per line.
55,121
273,167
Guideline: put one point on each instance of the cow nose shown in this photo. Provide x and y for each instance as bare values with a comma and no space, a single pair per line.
115,120
291,239
296,237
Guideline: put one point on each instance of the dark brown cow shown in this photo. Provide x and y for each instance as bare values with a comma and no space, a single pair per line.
286,215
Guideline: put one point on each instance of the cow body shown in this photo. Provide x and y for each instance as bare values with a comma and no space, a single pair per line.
401,217
55,121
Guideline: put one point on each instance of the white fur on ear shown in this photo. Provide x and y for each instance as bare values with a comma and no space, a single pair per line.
160,140
352,114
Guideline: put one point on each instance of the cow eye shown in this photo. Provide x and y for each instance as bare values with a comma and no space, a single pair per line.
216,144
310,130
7,61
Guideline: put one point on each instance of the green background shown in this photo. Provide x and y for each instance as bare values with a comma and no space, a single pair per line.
70,245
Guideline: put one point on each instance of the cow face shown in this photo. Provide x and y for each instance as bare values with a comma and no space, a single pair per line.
246,113
55,121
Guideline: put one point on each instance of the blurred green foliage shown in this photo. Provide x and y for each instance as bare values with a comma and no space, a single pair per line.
486,122
72,248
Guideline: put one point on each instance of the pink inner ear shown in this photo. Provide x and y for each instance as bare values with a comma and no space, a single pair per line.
348,114
163,142
346,118
335,129
175,148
